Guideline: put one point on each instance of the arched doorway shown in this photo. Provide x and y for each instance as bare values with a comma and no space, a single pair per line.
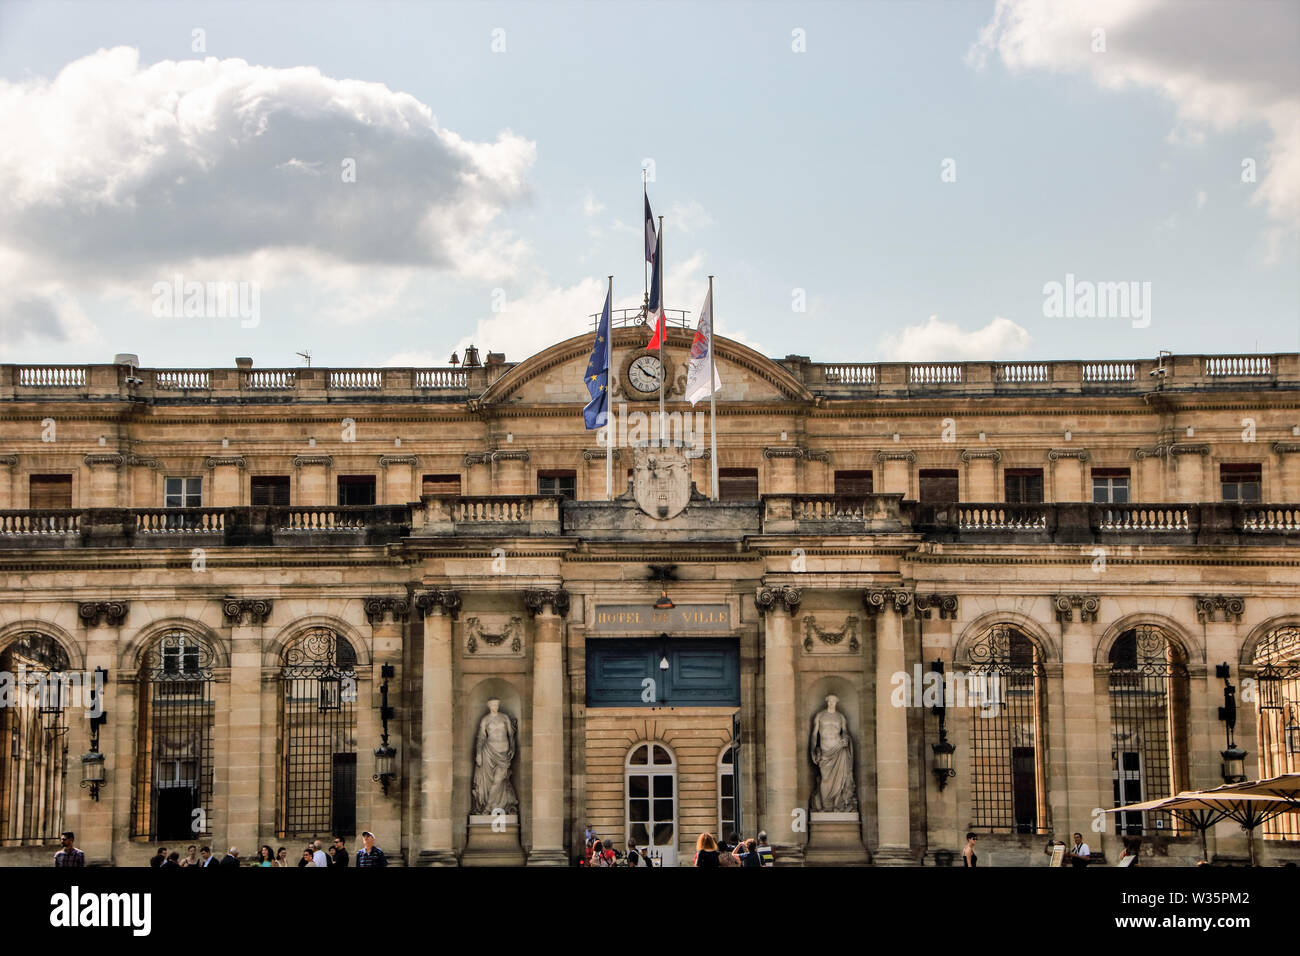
651,788
33,741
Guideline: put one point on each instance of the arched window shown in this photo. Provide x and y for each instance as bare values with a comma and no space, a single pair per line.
1277,671
1004,689
651,786
1148,723
33,741
173,769
318,746
727,792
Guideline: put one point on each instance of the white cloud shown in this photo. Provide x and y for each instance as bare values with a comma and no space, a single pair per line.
1202,197
686,217
590,206
937,341
118,175
1222,65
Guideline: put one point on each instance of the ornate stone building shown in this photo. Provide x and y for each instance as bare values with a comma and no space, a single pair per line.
301,588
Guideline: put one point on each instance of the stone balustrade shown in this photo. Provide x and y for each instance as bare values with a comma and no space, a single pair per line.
838,379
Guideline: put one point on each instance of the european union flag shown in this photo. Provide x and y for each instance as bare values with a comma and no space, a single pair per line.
596,414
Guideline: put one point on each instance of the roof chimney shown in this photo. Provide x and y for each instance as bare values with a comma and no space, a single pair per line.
244,363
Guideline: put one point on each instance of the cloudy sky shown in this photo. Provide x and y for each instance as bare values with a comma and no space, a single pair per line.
867,181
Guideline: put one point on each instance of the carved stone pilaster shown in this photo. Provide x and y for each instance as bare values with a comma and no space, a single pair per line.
94,613
215,460
1087,605
945,604
234,610
767,598
537,598
876,600
1210,607
445,598
1056,454
377,607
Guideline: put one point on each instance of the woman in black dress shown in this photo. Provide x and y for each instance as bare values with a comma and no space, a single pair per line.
706,850
969,853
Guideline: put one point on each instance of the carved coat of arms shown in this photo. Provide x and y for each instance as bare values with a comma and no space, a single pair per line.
661,481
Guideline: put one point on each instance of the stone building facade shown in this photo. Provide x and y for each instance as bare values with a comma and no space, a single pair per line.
298,590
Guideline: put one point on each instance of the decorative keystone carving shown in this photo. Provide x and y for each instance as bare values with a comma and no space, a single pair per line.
766,599
94,613
537,598
1088,605
992,453
214,461
377,607
257,609
1056,454
512,632
945,604
302,461
1232,607
386,460
876,600
598,454
429,601
833,638
116,461
895,456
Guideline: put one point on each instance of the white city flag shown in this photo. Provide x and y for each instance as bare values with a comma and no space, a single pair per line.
697,377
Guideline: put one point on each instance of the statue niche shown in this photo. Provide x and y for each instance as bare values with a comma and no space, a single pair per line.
831,750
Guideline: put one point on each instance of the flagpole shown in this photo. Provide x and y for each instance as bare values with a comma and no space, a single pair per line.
713,422
645,266
663,368
609,403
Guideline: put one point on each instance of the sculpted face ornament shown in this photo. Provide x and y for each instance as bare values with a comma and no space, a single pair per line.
661,481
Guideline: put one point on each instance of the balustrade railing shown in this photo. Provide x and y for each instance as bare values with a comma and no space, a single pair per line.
852,374
39,522
270,378
1002,518
52,376
1025,373
367,379
180,520
492,510
931,374
441,378
1271,519
181,378
1143,518
1108,372
1224,366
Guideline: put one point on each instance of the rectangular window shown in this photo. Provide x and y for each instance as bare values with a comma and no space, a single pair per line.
269,490
938,485
183,493
440,485
356,489
1024,486
737,484
1240,482
853,483
1110,486
558,483
700,672
51,491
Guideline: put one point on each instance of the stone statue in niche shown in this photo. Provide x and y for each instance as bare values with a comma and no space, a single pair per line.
494,752
831,749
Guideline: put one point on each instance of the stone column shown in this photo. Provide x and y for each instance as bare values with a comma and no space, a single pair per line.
893,794
549,608
226,486
313,486
1086,744
245,618
780,742
896,472
399,480
439,609
981,475
103,479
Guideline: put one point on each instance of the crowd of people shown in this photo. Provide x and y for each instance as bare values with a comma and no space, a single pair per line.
313,855
709,852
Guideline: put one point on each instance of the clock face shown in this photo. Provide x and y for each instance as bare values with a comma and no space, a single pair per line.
645,374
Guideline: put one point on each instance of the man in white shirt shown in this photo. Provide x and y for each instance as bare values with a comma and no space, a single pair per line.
318,855
1080,853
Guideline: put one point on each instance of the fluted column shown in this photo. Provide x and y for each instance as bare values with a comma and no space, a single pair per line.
893,795
549,609
779,744
439,609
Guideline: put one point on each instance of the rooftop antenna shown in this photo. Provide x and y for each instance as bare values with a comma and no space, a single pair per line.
305,355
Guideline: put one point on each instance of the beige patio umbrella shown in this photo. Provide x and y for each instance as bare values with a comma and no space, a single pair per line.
1198,817
1249,811
1286,785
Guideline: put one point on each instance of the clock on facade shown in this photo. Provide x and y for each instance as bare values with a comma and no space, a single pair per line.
645,374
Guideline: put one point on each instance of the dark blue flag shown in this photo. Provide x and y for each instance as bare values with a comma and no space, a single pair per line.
596,414
651,236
